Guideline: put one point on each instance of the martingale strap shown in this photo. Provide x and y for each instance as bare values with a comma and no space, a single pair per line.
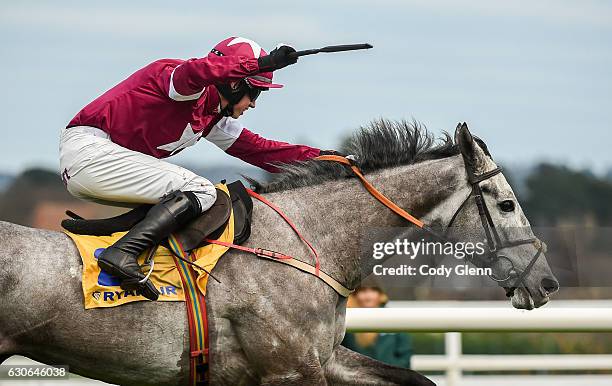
286,259
293,227
196,316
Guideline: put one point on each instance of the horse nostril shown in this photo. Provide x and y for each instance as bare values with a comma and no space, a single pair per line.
550,285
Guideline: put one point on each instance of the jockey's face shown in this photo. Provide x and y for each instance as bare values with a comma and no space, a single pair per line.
239,108
243,105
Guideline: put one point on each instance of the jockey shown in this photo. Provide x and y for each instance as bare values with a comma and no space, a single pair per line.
111,151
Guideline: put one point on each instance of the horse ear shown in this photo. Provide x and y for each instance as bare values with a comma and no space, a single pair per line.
457,132
470,150
464,139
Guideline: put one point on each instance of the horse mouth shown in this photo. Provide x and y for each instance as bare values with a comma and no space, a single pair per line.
523,300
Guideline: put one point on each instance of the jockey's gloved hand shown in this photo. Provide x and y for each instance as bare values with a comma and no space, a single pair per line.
277,58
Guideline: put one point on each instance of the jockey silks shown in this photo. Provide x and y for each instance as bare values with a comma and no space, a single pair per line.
170,104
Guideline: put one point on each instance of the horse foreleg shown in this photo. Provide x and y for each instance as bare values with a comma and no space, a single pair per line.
7,348
284,364
308,373
346,367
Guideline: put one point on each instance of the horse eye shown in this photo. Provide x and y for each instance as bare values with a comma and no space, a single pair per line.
506,205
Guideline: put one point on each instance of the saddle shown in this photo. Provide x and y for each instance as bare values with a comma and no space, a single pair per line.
209,225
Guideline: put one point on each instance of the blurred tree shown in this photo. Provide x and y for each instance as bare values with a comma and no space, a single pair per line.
556,193
20,199
38,198
609,174
5,180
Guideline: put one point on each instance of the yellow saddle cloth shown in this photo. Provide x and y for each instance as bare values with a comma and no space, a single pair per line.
102,290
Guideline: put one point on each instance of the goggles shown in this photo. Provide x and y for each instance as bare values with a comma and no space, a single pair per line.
253,93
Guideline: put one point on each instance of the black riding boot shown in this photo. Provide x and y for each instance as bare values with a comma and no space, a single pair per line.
175,210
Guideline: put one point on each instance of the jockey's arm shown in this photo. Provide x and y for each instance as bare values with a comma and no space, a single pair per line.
236,140
194,75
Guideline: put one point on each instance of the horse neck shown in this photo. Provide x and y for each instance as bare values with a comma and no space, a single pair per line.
337,215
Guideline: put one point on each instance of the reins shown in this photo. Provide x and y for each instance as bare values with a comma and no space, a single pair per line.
379,196
370,188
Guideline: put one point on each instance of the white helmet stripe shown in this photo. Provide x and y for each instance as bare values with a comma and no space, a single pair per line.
254,46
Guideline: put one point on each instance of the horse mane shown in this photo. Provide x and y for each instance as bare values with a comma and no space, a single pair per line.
380,144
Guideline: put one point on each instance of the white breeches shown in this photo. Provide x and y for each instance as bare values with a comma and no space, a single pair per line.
96,169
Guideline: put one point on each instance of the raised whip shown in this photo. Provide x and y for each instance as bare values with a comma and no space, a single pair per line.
338,48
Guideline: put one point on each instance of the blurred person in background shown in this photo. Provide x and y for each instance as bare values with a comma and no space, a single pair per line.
391,348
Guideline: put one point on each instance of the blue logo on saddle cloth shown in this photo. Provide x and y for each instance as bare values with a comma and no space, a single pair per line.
105,278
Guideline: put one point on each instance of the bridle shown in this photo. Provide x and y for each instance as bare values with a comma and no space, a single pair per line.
494,241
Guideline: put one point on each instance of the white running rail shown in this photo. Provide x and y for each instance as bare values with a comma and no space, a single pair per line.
456,317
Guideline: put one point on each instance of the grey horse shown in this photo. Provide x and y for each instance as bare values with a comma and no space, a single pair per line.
270,324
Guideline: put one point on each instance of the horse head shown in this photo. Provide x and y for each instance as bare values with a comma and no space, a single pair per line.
490,213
